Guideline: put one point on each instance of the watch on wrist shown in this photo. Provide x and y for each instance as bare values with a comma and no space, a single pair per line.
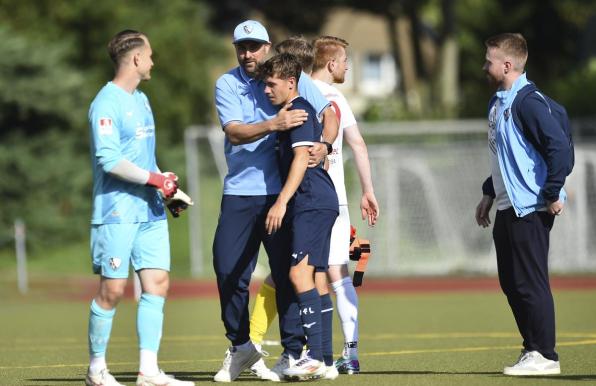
329,147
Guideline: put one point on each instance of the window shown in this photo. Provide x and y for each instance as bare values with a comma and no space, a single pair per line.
371,70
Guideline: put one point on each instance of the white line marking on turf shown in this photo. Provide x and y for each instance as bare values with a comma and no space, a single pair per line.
218,338
470,349
459,335
112,364
401,352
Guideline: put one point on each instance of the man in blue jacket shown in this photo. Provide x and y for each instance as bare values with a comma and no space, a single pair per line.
529,157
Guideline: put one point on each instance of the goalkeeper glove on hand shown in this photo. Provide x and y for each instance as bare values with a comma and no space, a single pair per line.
179,202
360,252
166,183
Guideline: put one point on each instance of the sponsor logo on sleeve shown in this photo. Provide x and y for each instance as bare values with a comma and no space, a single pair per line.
144,132
105,126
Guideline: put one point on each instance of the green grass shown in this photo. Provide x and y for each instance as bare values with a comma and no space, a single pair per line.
74,258
406,339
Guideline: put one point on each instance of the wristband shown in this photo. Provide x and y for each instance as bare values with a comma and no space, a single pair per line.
329,147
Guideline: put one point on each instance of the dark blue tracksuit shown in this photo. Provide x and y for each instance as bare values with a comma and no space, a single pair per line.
240,232
534,166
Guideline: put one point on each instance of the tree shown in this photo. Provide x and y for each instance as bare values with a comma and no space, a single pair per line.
282,21
54,60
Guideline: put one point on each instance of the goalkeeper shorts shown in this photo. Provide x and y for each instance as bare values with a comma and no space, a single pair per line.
114,246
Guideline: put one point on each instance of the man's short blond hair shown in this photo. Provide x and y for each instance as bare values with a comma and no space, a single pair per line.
327,49
513,45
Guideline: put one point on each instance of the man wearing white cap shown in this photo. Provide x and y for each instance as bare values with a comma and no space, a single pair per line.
251,186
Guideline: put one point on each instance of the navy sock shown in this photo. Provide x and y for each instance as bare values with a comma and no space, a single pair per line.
327,325
310,314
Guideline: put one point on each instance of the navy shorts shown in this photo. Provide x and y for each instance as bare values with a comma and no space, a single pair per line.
311,235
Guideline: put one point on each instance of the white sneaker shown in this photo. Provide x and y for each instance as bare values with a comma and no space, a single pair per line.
533,363
103,378
304,369
284,362
260,369
331,372
161,379
236,361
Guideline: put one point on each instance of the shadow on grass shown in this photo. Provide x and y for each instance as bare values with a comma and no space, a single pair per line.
427,372
578,377
195,376
198,376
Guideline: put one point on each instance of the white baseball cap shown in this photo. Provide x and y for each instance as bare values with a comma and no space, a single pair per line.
251,30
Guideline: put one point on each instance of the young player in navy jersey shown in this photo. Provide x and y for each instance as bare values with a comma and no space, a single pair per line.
309,204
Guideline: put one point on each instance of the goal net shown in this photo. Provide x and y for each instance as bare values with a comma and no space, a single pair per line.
427,177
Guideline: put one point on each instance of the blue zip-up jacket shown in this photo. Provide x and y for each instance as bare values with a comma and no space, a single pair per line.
530,178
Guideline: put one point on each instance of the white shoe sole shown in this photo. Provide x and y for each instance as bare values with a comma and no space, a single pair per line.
305,377
520,372
310,377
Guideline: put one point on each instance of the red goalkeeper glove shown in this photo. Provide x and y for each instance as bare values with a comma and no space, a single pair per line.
165,183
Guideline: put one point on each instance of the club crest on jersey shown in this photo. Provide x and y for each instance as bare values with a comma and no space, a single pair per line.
507,113
105,126
115,263
248,29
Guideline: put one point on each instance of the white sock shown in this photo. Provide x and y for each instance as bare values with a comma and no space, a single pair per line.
350,350
96,364
148,363
347,307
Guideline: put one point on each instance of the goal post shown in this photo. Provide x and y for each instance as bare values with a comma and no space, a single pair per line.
427,177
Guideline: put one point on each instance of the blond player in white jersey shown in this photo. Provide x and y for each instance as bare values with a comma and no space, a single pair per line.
330,66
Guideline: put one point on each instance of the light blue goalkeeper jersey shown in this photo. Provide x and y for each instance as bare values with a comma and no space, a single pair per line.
122,127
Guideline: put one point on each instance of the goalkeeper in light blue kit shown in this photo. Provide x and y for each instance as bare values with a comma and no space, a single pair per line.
129,223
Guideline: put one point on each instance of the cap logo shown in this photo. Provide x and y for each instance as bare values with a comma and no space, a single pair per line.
248,29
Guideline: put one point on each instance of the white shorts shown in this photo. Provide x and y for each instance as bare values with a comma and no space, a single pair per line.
339,250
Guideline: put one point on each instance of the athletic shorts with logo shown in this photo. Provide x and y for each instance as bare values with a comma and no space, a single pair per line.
311,235
115,246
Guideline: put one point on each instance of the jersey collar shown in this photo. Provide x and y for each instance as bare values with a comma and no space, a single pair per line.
244,76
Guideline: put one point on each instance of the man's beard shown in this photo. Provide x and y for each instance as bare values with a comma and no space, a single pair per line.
250,67
339,78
